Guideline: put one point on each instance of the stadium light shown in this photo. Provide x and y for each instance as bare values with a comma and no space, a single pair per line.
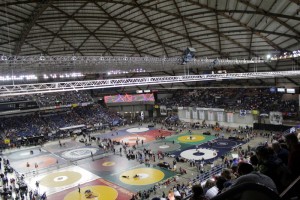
145,62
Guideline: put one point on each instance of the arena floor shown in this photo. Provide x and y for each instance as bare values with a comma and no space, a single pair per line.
62,169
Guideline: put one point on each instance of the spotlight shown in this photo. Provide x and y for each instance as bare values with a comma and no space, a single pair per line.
3,57
188,55
42,58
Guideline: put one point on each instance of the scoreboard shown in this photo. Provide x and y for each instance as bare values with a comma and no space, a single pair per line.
129,98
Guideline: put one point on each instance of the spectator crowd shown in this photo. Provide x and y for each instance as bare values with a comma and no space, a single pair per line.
234,99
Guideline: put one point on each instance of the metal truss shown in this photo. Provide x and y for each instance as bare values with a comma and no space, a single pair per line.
23,89
98,60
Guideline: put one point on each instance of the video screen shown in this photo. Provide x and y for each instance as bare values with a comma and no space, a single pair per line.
128,98
290,91
272,89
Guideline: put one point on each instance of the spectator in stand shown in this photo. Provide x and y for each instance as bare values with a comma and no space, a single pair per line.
220,183
215,190
281,153
254,161
248,175
56,99
294,155
209,184
272,166
177,194
198,193
228,175
233,99
17,127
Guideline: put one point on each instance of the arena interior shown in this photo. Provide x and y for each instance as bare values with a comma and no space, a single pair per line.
149,99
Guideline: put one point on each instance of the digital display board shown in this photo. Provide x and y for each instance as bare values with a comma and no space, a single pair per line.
127,98
290,91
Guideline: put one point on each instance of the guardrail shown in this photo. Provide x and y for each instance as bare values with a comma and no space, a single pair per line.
202,178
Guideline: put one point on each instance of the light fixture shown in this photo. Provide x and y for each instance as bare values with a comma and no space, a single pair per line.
21,77
42,58
3,57
117,60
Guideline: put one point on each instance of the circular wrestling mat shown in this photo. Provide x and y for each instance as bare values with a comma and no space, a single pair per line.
146,176
108,164
191,138
224,144
24,154
79,153
199,154
60,179
164,146
137,130
97,192
132,139
42,161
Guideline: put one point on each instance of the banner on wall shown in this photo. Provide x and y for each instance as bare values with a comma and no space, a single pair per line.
210,116
212,109
188,114
220,116
229,117
201,114
169,108
195,114
142,115
218,109
74,105
163,110
255,112
276,118
243,113
202,108
174,108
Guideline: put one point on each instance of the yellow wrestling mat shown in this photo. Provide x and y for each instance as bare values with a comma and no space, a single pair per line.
191,138
59,179
108,164
146,176
97,192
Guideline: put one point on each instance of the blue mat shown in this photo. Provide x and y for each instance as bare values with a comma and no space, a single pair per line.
222,146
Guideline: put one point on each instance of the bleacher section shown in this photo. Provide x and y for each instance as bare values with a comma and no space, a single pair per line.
232,99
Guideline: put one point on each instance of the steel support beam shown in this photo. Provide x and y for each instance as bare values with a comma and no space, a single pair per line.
23,89
38,11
